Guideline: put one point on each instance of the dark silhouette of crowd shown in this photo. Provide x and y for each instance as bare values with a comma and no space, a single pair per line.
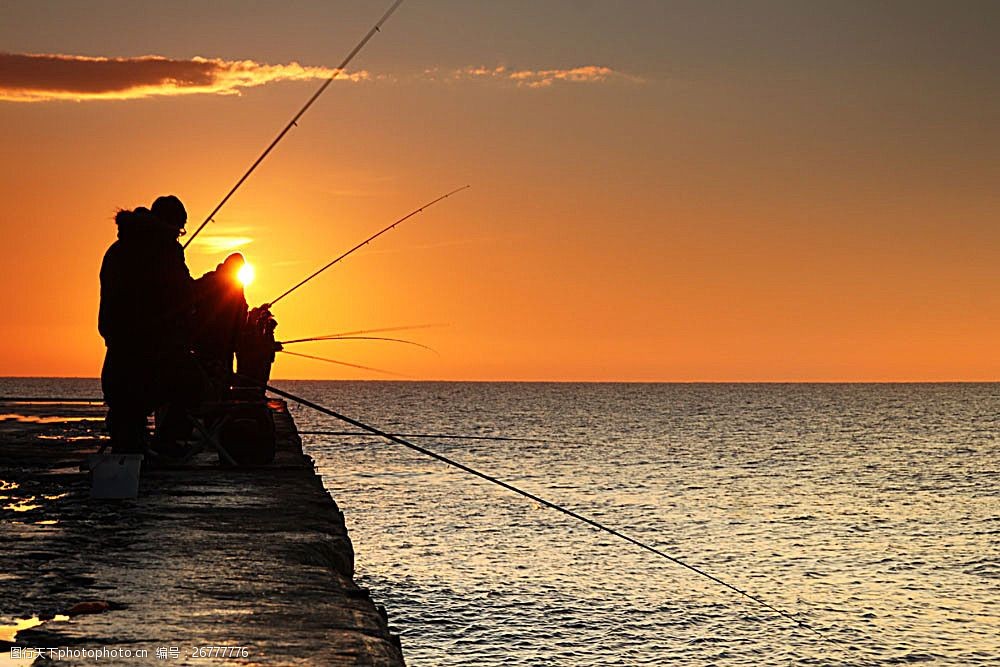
171,339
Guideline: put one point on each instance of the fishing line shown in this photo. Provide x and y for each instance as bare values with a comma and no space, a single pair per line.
340,363
366,242
292,123
405,327
551,505
316,339
453,436
343,334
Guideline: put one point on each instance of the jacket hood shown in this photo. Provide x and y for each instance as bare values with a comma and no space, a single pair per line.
142,224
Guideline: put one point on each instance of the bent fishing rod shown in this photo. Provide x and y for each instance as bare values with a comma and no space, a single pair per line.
383,339
359,332
366,242
294,121
404,327
551,505
341,363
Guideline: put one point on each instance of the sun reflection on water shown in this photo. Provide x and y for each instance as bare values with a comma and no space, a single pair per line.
34,419
25,505
8,631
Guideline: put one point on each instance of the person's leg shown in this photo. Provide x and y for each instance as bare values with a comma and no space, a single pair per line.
126,420
127,427
183,385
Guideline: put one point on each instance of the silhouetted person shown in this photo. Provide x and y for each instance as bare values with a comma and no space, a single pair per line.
255,349
220,315
145,314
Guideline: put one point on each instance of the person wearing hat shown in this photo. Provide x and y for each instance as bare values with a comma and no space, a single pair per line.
145,320
170,210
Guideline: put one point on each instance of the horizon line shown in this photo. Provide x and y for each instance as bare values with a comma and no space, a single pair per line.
549,381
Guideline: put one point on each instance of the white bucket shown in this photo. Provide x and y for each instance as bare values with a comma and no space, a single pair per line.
114,475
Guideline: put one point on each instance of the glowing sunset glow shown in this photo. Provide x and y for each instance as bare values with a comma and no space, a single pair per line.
672,192
246,274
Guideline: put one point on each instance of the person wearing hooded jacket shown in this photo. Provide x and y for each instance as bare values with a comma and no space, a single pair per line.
145,320
220,317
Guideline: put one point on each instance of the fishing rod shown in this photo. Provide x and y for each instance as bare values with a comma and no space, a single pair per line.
551,505
294,121
366,242
340,363
317,339
361,332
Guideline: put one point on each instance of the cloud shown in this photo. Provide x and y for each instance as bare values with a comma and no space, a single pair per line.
26,77
543,78
216,243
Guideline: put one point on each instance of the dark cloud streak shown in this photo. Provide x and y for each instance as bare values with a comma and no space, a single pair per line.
76,74
41,77
45,77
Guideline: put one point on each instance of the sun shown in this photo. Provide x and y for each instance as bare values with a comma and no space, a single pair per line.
246,274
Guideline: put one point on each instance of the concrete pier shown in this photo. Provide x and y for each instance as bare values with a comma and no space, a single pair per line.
209,565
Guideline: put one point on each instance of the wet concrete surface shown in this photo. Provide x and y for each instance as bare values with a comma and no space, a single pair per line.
225,566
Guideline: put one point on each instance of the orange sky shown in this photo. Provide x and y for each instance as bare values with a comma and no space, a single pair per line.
678,193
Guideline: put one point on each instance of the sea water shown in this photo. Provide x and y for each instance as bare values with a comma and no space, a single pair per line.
871,512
